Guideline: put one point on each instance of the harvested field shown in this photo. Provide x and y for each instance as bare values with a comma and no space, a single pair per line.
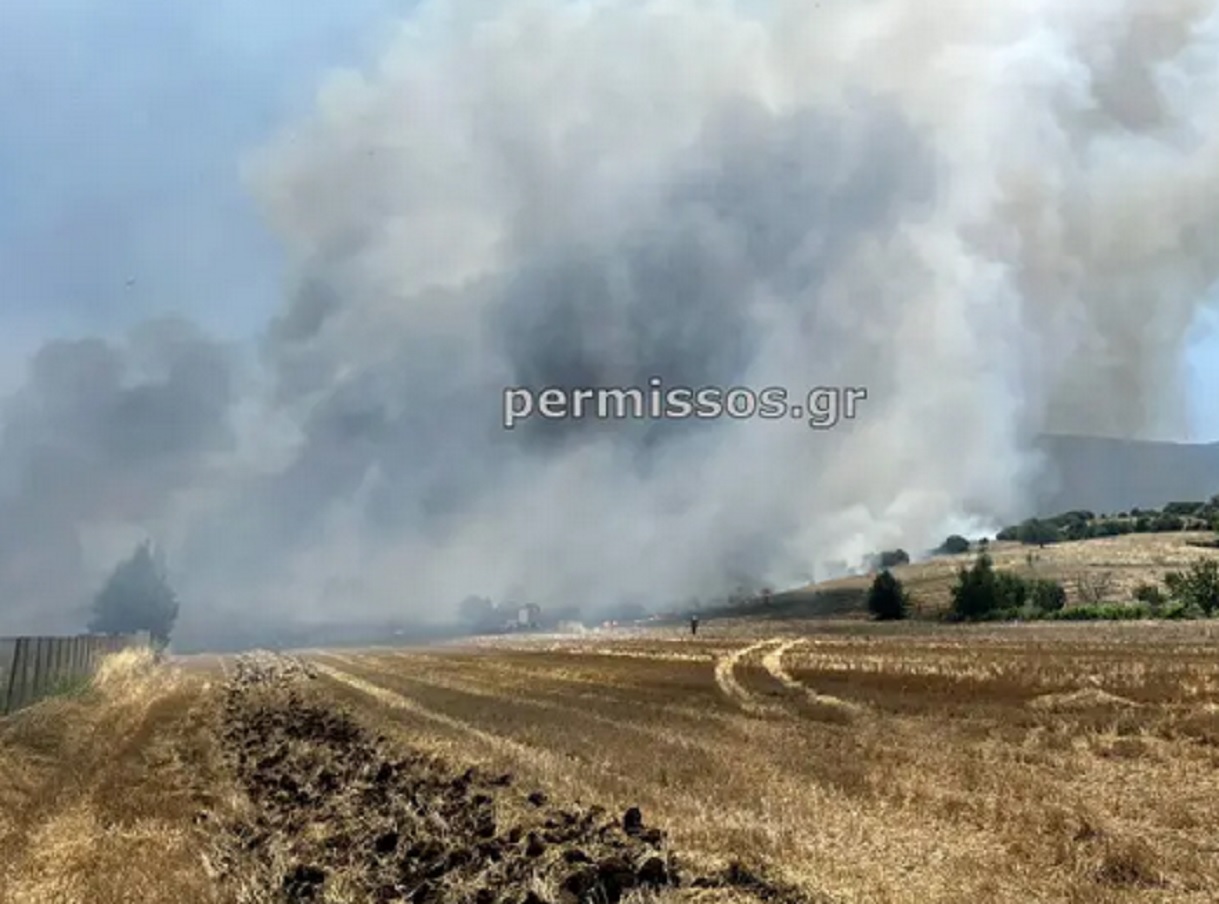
857,763
836,762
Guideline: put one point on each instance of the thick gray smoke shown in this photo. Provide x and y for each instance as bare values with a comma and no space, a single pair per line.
95,450
999,218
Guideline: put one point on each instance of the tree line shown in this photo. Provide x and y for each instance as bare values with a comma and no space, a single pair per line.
983,593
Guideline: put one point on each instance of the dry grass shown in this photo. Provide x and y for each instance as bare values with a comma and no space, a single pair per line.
1117,564
861,763
96,800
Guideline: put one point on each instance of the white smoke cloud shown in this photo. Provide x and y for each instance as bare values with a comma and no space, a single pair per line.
998,218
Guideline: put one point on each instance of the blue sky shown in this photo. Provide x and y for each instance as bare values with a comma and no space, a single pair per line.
122,130
1202,380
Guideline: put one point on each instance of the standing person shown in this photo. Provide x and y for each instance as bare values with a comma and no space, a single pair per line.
693,625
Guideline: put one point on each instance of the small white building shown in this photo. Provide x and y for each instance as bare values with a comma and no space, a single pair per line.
528,616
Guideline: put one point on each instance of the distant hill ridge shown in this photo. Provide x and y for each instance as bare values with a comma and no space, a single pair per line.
1109,475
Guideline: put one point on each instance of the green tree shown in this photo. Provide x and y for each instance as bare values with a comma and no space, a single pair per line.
893,557
1011,591
1199,586
137,597
1037,532
974,595
887,599
954,545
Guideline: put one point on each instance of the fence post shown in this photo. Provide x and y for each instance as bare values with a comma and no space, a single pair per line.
42,667
23,675
16,673
59,648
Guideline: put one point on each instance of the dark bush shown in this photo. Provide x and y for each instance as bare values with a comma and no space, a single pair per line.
1167,524
887,600
974,594
1037,532
892,558
1150,594
954,545
981,593
1046,595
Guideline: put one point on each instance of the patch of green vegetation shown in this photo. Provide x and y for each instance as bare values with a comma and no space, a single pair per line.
983,594
1086,525
1104,612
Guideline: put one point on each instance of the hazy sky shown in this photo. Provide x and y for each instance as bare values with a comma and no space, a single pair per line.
999,218
123,127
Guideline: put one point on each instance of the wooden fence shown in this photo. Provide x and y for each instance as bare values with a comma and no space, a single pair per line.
32,668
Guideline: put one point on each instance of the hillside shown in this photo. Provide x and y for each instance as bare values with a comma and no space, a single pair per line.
1119,564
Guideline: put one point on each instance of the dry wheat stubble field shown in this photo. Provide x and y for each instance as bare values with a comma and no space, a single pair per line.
839,762
916,764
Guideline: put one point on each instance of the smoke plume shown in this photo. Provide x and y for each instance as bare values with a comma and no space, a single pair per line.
998,218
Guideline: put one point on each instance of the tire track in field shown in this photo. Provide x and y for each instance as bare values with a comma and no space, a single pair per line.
472,689
562,681
772,661
725,677
517,750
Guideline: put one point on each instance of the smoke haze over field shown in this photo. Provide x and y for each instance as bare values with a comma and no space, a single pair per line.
999,218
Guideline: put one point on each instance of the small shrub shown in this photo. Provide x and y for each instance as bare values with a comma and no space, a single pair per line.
1047,596
1094,587
1176,610
1150,594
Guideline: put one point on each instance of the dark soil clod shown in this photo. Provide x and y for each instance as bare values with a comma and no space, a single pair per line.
333,797
632,821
